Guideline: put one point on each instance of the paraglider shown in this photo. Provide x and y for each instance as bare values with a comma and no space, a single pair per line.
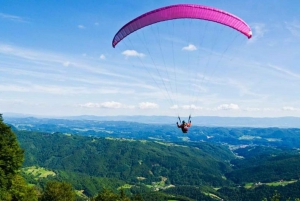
184,126
182,11
177,12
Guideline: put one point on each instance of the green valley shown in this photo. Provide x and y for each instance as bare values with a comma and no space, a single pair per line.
157,168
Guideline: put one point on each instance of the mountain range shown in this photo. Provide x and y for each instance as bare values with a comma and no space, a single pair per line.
209,121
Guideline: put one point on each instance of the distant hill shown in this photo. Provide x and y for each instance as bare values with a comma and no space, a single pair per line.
128,160
236,136
210,121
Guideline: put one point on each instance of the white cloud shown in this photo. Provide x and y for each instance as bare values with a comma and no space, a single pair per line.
190,47
112,104
42,89
148,105
81,26
13,88
107,105
194,107
15,51
67,63
174,107
12,17
89,105
293,27
230,106
116,105
97,23
258,30
288,108
132,53
34,55
102,56
285,71
38,64
58,90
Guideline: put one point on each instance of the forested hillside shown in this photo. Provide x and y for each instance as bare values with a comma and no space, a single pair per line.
141,166
265,164
127,160
158,169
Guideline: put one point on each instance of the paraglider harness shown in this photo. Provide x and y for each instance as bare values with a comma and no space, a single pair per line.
185,127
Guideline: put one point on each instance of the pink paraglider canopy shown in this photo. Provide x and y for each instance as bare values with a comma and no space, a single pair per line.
182,11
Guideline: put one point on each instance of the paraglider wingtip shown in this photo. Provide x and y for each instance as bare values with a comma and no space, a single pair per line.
250,35
114,43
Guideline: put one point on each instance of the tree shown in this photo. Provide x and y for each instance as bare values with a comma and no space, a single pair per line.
123,196
11,155
106,195
58,191
137,197
21,191
12,185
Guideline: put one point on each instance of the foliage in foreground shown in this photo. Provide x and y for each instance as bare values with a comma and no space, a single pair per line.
58,191
12,184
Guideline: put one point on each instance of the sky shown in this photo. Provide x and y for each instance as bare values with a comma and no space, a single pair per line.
57,59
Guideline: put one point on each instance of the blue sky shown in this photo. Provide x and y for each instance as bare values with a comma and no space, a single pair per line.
56,59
